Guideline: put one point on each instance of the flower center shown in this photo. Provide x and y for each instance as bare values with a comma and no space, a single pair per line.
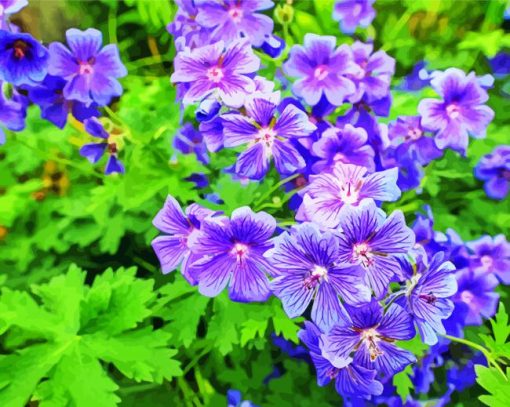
349,193
486,261
370,337
20,49
266,135
236,14
361,253
428,298
356,10
414,134
321,72
86,68
453,110
215,74
318,273
239,250
467,296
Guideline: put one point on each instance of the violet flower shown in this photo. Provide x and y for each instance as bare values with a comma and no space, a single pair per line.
460,111
494,169
217,69
307,268
12,113
353,13
329,194
368,335
322,69
232,252
491,255
267,135
373,241
9,7
91,71
181,230
188,141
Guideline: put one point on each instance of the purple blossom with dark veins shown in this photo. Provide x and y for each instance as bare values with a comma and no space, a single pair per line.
181,230
353,13
94,151
351,380
91,71
410,171
491,255
23,59
322,69
494,169
232,252
230,20
373,74
427,296
373,241
216,69
185,29
460,111
475,299
307,268
191,141
368,335
329,194
407,134
267,135
212,132
347,145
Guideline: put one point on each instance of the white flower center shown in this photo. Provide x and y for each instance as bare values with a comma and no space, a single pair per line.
487,261
414,134
215,74
467,296
236,14
239,250
361,252
86,68
453,110
356,10
370,337
321,72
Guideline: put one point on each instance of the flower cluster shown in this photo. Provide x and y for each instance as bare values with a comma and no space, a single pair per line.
75,80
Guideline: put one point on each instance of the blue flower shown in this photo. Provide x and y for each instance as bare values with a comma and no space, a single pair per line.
23,60
188,141
12,113
353,13
494,170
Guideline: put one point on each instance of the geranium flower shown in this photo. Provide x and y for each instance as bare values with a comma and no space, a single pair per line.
491,255
494,169
353,13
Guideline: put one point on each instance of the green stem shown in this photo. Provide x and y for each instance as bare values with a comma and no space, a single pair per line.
195,360
139,388
274,188
145,264
112,23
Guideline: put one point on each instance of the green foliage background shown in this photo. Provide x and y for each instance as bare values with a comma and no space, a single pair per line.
84,304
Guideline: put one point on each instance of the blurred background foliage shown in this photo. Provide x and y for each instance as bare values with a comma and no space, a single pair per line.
57,210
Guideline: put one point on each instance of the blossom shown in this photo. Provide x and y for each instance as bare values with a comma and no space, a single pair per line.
353,13
267,136
372,77
329,194
491,255
307,268
185,29
417,79
368,335
212,132
460,111
188,140
321,69
232,252
8,7
217,69
475,298
90,71
407,136
12,114
94,151
23,60
181,229
54,107
494,169
427,296
373,241
350,379
234,19
346,145
410,171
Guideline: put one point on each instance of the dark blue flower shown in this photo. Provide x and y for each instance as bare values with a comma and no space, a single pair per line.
273,46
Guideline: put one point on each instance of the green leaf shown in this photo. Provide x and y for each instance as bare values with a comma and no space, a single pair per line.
403,383
492,381
498,344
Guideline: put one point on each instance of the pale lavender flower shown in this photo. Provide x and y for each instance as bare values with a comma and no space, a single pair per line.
491,255
353,13
494,169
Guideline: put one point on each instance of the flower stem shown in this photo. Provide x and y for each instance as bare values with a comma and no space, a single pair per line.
274,188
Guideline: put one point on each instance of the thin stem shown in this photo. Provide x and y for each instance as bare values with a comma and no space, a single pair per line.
197,358
275,187
145,264
139,388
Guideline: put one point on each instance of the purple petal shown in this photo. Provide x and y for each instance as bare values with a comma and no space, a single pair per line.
292,292
261,110
293,122
170,251
327,309
249,283
397,324
287,159
93,152
170,219
84,44
394,236
253,163
214,274
238,129
61,62
95,128
113,165
109,63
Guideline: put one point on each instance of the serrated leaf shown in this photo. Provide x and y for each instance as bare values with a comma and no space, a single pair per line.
492,381
403,383
497,344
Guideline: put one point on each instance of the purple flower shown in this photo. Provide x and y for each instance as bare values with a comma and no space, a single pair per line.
494,169
307,268
12,114
368,335
184,27
188,141
232,250
407,136
500,64
373,74
321,69
181,230
8,7
461,110
373,241
353,13
94,151
417,79
54,107
329,194
23,60
351,379
427,296
273,46
212,132
91,72
410,171
347,145
491,255
234,19
216,69
475,298
267,136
